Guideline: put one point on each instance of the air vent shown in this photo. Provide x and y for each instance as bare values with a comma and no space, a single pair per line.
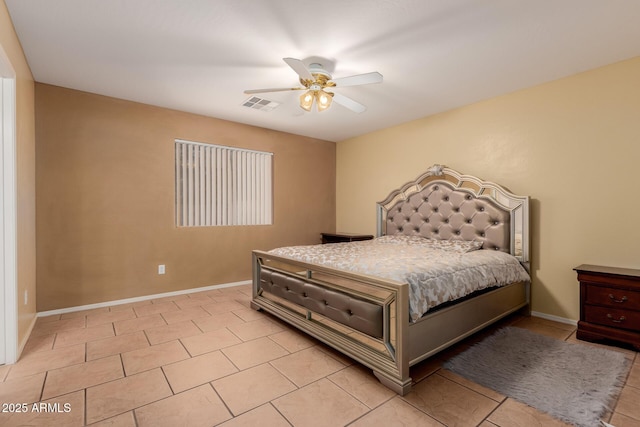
260,104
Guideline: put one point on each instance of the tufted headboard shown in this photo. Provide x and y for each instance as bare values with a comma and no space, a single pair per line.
443,204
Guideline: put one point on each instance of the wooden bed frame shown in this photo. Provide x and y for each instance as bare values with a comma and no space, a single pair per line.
367,318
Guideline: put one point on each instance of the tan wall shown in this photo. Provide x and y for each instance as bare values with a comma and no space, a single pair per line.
105,185
572,145
25,175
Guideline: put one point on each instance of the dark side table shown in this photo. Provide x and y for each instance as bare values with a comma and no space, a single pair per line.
609,304
344,237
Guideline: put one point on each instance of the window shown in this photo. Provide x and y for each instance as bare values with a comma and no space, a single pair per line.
218,185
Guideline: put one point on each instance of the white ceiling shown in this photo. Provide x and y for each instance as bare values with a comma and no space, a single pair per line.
199,55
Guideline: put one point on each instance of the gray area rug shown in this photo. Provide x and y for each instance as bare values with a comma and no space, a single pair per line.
572,382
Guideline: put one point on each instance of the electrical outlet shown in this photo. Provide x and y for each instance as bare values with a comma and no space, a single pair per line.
26,296
161,269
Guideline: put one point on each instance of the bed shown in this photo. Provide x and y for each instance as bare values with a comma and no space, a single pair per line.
381,311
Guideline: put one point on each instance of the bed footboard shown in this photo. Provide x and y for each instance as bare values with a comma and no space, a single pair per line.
357,313
363,317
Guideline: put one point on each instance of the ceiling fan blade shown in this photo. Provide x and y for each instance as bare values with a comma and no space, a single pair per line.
359,79
299,67
349,103
275,89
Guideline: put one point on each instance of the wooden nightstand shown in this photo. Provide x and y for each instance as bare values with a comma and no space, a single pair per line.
344,237
609,304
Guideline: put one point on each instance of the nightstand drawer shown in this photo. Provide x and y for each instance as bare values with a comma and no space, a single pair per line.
612,297
622,319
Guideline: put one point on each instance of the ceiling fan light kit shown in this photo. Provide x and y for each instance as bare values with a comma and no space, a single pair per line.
315,80
323,100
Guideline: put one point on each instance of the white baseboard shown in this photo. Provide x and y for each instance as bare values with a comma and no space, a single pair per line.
142,298
554,318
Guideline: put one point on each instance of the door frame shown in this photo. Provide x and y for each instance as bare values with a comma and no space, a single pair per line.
8,210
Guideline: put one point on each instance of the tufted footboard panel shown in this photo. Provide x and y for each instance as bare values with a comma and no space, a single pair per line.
358,314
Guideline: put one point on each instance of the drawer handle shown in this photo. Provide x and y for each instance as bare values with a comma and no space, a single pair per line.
620,320
612,298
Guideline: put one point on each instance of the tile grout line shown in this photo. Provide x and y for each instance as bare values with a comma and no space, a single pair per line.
84,394
46,374
173,392
221,400
281,414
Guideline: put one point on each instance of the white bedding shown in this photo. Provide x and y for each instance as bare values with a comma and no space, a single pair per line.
437,271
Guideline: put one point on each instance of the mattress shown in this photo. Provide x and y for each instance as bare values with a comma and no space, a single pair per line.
437,271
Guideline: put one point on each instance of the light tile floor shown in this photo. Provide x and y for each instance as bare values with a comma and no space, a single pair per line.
207,359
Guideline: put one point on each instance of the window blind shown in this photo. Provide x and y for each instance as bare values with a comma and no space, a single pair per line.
219,185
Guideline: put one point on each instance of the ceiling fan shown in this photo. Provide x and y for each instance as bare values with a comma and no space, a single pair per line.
315,80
